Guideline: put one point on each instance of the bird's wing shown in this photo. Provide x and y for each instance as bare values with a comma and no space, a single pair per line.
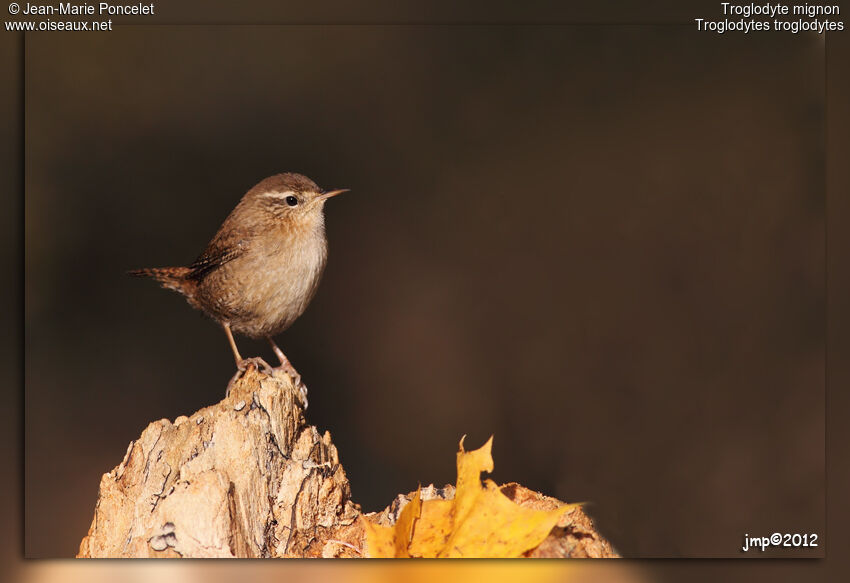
214,256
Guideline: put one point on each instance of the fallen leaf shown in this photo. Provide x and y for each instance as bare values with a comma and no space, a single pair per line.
393,542
479,522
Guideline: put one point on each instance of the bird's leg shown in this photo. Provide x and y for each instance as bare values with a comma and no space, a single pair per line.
278,352
242,363
285,365
232,343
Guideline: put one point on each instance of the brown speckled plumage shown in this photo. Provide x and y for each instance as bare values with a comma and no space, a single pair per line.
262,268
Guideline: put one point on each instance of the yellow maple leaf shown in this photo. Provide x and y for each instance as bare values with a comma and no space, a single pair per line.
479,522
393,541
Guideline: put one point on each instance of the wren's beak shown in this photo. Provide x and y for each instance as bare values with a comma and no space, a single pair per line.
332,193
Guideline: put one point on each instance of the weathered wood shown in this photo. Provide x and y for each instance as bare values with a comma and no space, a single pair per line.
248,477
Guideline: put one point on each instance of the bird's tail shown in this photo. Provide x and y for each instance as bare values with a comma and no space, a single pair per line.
173,278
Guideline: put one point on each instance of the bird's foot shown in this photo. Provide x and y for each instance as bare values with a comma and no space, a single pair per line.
257,362
287,368
243,365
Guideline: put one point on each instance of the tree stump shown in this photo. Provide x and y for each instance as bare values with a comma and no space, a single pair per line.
248,477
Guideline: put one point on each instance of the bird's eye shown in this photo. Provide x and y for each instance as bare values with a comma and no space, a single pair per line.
291,200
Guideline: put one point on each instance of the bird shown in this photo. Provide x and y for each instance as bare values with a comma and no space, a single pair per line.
261,269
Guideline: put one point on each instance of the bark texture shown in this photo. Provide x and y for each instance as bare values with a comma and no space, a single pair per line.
248,477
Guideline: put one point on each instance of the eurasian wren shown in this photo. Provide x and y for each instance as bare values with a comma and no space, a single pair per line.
263,266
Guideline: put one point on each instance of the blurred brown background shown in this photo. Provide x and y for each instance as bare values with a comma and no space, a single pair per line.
602,244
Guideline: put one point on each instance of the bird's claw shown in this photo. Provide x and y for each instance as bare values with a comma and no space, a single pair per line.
243,365
286,367
256,362
289,370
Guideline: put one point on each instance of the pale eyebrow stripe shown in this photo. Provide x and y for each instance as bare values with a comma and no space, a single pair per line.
278,194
